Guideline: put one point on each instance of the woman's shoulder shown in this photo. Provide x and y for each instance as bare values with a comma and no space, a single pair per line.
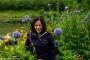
48,33
30,33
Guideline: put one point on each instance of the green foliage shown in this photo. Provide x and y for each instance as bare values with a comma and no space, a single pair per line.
74,42
24,4
77,4
75,35
42,4
74,39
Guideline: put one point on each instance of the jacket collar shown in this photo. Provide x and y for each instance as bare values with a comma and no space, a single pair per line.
39,35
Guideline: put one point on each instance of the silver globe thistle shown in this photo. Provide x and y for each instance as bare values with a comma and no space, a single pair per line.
77,11
66,7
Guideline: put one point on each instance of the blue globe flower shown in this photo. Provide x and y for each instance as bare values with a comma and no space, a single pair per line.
16,34
27,18
57,31
49,5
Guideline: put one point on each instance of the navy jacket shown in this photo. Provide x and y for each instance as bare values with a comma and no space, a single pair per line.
43,44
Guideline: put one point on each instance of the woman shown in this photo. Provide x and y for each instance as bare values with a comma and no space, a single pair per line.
41,40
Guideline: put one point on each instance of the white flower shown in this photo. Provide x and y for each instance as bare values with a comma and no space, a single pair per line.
66,7
77,11
49,5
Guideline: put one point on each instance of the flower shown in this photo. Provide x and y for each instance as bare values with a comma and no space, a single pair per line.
49,5
66,7
77,11
57,31
16,34
27,18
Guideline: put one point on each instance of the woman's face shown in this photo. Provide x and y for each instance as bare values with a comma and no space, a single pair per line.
38,26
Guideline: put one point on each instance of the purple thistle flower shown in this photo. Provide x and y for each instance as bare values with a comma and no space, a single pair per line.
57,31
16,34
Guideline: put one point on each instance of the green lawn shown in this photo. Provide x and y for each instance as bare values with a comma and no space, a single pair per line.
13,16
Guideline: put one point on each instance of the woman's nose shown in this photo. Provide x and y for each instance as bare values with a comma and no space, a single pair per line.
38,26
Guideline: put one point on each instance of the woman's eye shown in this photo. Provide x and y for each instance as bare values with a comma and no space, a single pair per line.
38,25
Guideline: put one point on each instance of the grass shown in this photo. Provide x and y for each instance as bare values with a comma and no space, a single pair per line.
10,15
16,14
7,27
13,16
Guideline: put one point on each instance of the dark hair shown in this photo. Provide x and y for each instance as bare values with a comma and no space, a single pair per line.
42,22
